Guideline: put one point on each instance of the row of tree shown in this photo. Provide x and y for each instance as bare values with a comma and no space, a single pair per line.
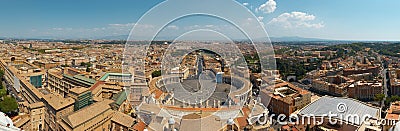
7,103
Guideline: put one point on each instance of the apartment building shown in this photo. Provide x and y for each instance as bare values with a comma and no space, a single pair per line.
333,85
23,78
56,107
97,117
83,97
284,97
117,77
365,90
62,80
34,118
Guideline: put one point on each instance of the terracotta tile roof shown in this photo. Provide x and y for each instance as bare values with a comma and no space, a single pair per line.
78,90
242,122
58,102
392,116
90,112
36,105
246,111
123,119
158,93
139,126
94,86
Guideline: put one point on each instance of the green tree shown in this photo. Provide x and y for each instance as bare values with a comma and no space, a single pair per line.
392,99
8,104
308,128
379,97
87,65
156,73
3,92
87,69
1,73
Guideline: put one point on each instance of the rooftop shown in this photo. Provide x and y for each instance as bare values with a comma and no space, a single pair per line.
58,102
104,77
75,119
123,119
327,104
119,98
78,90
36,105
394,111
82,79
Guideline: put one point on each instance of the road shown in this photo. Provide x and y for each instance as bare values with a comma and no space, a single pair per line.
386,78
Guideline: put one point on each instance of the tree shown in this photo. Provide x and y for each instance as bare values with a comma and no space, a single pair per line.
1,73
379,97
88,64
392,99
87,69
156,73
8,104
308,128
3,92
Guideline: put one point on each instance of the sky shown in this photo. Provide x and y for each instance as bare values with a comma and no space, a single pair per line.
325,19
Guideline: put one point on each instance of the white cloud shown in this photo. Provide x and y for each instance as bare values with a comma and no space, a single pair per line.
122,25
245,4
195,27
173,27
296,20
58,28
209,26
129,26
260,18
267,7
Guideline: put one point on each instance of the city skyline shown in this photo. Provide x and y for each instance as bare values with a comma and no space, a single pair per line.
354,20
206,65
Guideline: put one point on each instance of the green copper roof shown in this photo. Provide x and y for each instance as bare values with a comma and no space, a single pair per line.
81,79
120,97
104,77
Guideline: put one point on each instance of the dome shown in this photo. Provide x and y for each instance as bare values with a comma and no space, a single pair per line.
230,121
171,121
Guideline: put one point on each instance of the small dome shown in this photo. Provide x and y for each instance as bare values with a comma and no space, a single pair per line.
171,121
230,121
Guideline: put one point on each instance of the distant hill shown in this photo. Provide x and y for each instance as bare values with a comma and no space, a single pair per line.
125,37
117,37
296,38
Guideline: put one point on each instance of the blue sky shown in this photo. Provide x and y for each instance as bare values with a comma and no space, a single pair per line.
328,19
